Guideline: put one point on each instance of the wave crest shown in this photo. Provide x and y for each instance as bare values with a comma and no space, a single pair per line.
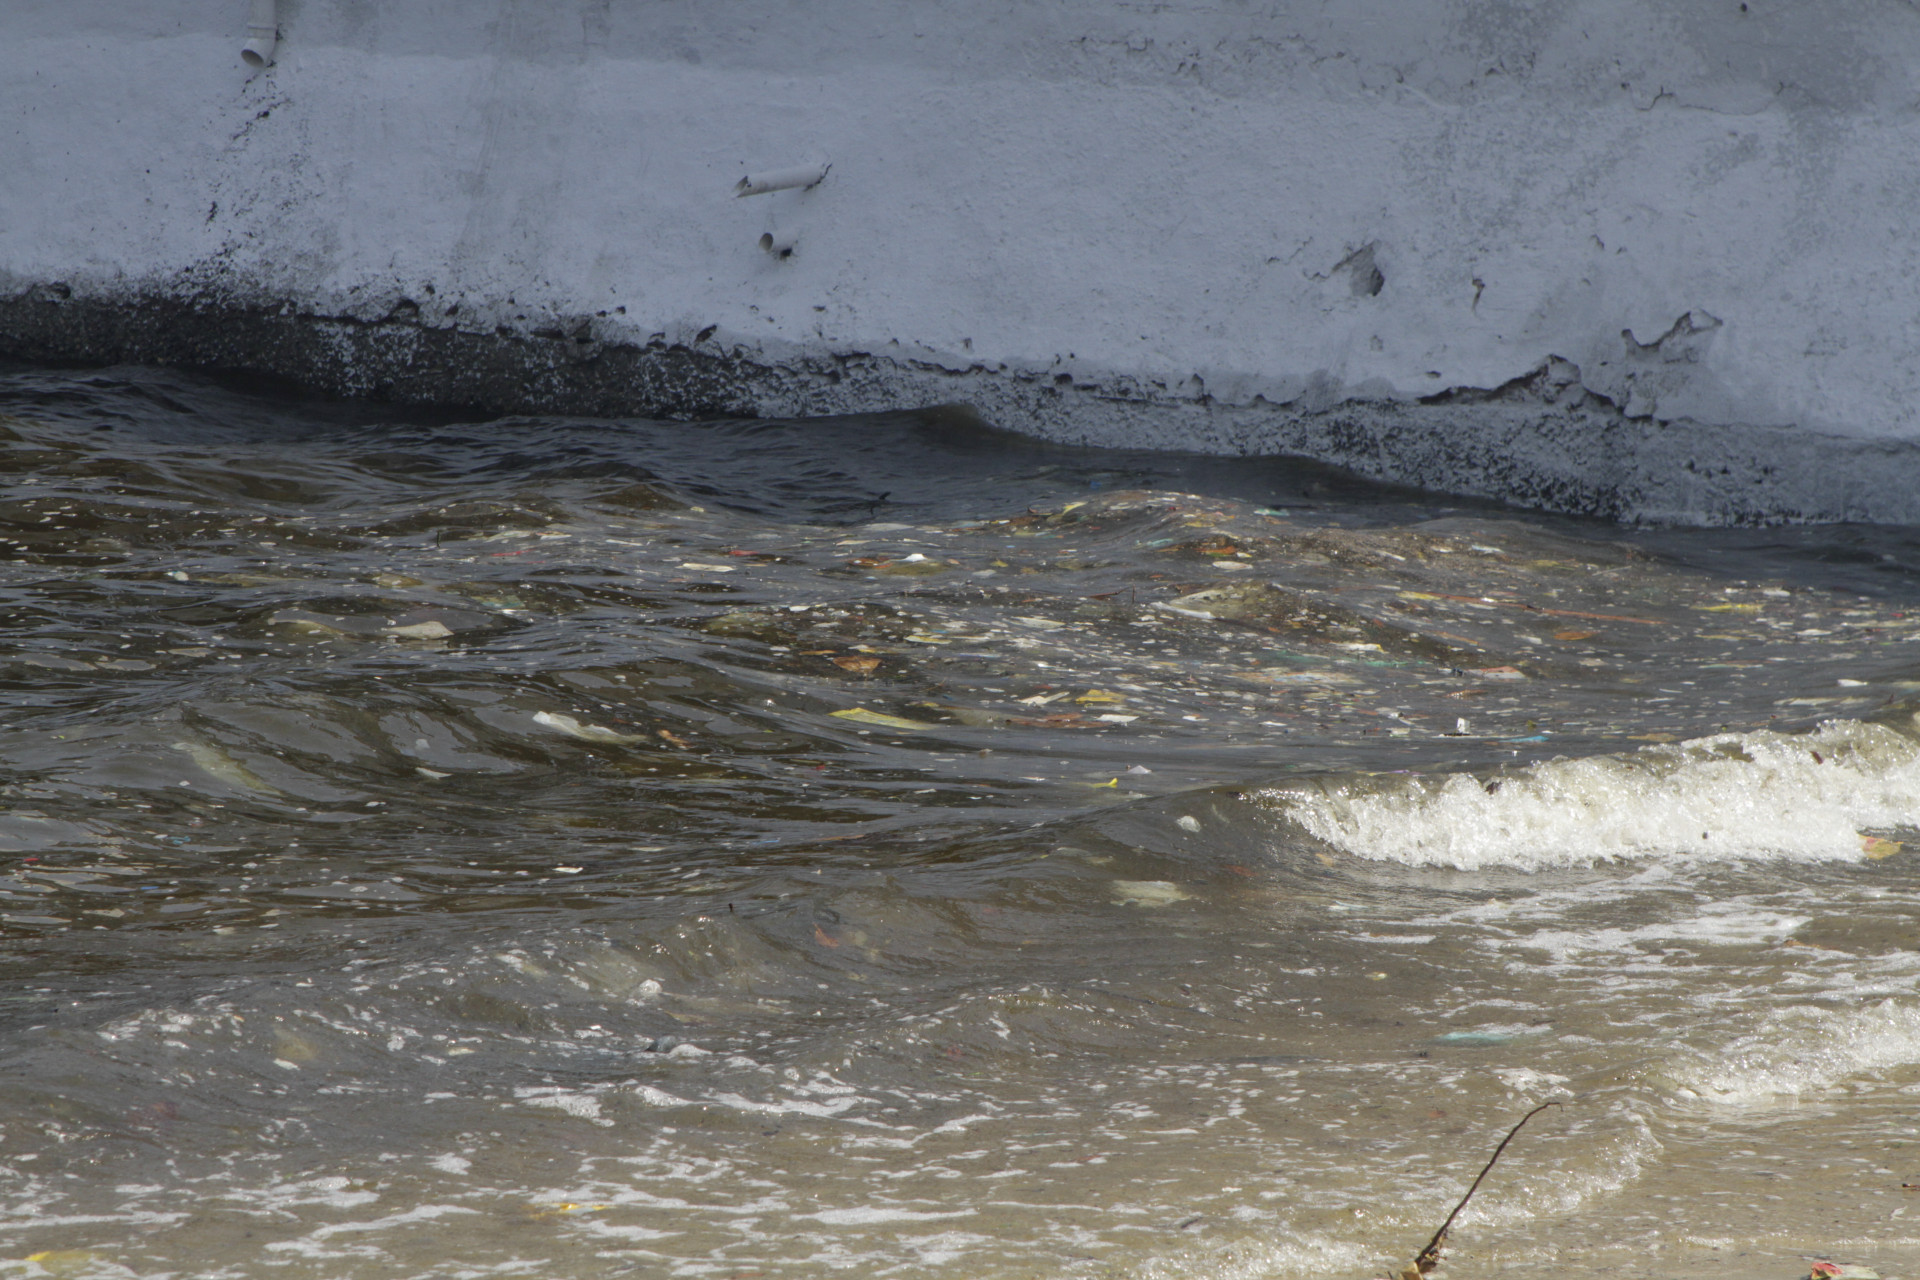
1728,796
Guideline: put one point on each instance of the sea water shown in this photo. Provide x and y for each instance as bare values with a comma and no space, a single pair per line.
436,847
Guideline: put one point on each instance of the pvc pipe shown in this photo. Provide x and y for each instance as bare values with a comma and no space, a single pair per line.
779,245
263,32
806,175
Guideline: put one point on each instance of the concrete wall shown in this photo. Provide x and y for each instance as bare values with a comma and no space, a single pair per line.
1640,257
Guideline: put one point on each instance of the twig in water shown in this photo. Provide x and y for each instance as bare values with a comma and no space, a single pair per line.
1429,1258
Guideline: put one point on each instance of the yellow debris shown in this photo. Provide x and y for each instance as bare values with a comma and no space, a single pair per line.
1878,847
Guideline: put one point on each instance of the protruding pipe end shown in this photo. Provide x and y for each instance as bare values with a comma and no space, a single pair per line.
257,52
780,246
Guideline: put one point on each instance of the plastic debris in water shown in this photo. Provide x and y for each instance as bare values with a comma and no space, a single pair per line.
1877,847
213,760
1484,1036
1842,1271
1288,675
861,715
1148,893
431,629
585,732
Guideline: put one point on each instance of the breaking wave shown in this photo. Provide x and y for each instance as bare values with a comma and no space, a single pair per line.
1811,797
1805,1050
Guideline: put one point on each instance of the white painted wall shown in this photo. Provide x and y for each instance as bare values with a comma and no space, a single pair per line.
1708,207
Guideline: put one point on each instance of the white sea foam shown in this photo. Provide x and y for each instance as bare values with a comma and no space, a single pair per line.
1728,796
574,1102
1805,1050
1303,1255
1527,1081
1717,924
832,1110
866,1215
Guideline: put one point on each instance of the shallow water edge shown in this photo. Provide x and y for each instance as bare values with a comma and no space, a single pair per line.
1540,441
564,847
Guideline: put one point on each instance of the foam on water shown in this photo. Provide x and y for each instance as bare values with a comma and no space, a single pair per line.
745,884
1716,924
1805,1050
1728,796
1303,1256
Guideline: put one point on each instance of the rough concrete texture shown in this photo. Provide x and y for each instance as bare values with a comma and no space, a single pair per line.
1646,258
1543,441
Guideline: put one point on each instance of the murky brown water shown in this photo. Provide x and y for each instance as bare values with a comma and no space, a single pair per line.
885,847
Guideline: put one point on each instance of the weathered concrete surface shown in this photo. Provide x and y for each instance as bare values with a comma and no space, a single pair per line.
1646,258
1542,441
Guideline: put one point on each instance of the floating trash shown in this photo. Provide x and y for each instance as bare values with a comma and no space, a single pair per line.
860,715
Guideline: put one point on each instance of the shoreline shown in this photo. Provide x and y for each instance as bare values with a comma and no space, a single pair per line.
1541,443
